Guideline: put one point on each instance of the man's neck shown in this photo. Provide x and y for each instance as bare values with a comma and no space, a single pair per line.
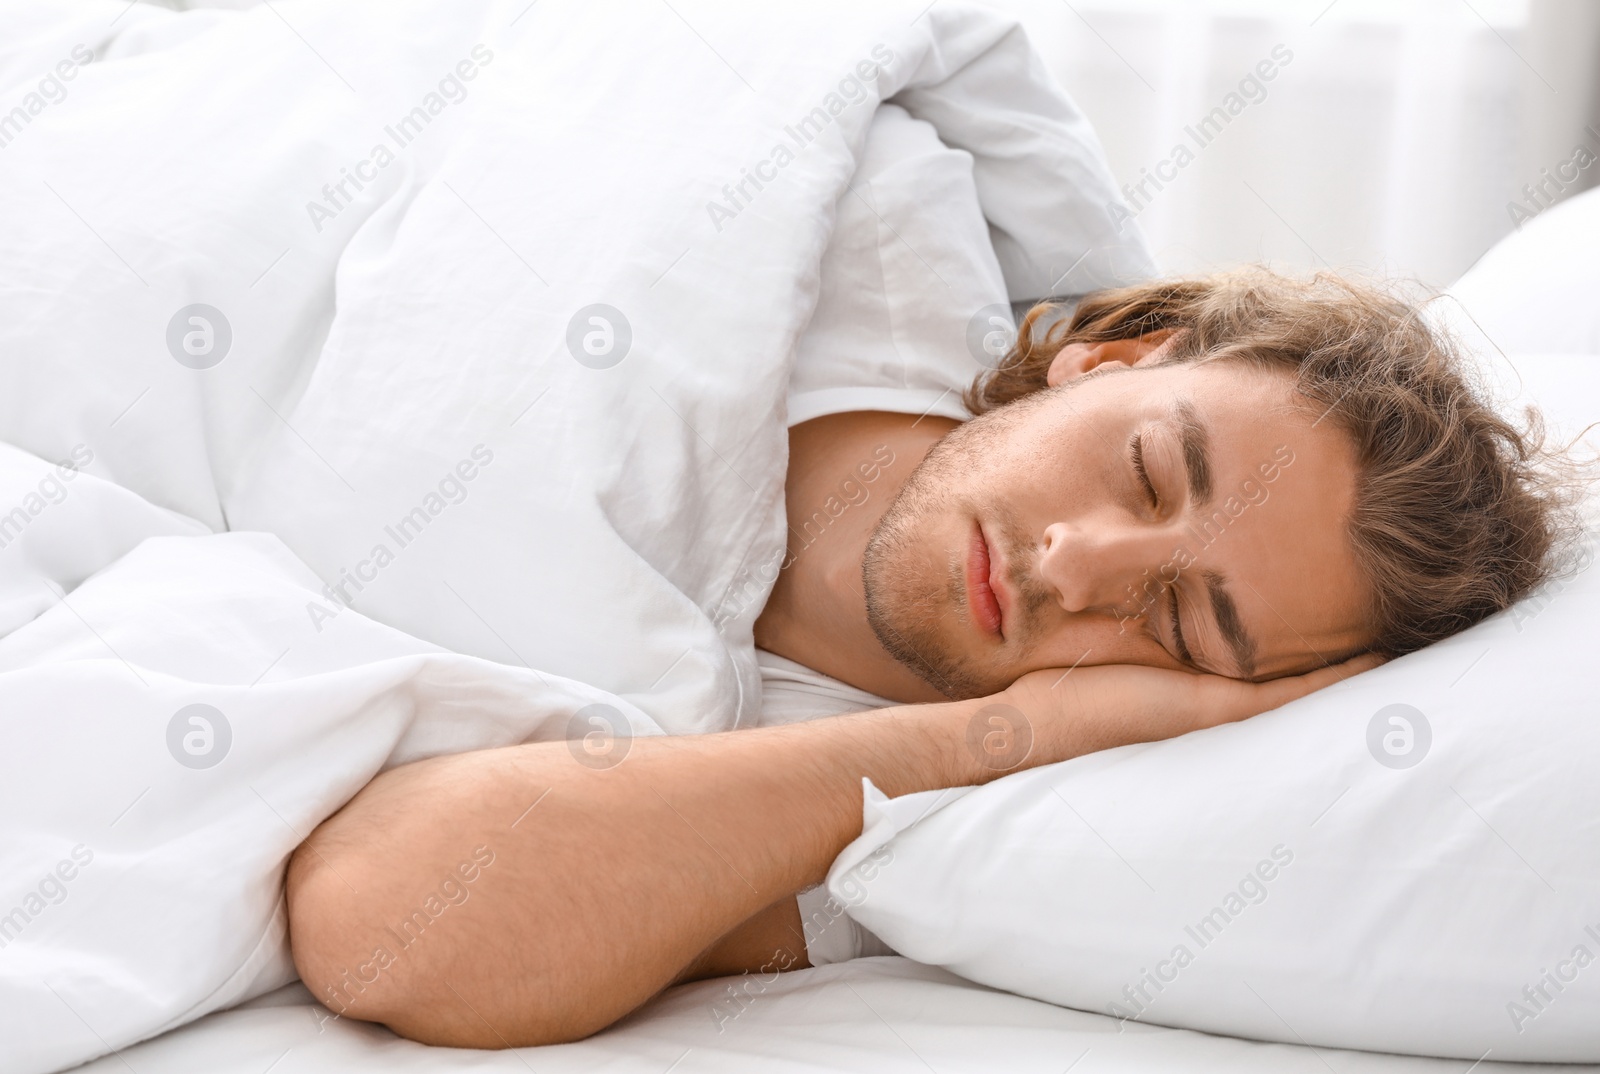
844,471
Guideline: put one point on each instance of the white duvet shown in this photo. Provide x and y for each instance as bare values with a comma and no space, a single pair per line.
482,326
407,236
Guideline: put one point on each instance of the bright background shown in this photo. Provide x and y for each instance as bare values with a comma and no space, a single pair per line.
1392,143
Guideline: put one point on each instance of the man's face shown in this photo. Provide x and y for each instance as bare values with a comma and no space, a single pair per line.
1028,538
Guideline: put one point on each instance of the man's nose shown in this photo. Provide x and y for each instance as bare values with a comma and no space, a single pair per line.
1104,567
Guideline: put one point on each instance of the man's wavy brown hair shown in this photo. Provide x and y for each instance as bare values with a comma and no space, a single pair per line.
1458,513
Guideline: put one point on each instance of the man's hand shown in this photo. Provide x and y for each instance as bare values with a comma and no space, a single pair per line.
1095,708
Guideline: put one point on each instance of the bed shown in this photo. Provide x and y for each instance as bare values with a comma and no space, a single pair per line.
321,337
874,1014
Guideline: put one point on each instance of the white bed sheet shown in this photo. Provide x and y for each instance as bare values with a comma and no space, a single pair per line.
883,1015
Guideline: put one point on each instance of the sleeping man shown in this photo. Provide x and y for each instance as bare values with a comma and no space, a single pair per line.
1185,503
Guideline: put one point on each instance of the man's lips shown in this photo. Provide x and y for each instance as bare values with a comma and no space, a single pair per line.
982,598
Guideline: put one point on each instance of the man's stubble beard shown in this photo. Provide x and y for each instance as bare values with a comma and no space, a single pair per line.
906,611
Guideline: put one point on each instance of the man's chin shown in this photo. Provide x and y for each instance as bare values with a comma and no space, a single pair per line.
909,610
972,691
909,654
955,689
949,678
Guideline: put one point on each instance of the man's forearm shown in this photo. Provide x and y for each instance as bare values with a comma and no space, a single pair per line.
601,885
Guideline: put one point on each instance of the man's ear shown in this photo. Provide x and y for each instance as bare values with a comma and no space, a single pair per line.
1076,359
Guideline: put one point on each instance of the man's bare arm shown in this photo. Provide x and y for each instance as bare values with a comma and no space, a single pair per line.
516,896
602,893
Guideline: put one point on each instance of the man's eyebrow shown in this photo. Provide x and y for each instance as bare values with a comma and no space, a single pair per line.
1196,451
1229,623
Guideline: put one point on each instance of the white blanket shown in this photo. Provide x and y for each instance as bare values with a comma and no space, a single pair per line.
381,340
476,307
175,727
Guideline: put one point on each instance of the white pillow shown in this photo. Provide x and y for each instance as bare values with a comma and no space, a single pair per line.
1534,291
1283,878
1407,862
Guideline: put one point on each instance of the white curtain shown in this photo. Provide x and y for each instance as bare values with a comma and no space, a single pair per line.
1395,138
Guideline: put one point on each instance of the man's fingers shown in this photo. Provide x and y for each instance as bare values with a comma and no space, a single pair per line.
1338,672
1282,691
1357,664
